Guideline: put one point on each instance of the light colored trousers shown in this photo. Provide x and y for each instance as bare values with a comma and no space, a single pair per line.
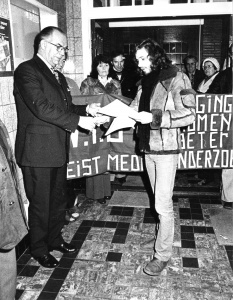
8,275
161,170
227,185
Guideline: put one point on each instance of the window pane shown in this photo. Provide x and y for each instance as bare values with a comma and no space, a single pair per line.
178,59
178,1
178,48
97,3
173,47
166,47
199,1
184,47
103,3
143,2
26,24
173,58
125,2
148,2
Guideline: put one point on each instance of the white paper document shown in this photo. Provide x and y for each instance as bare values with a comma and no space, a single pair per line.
124,115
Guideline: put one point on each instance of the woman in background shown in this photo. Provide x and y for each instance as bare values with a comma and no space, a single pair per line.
98,187
211,69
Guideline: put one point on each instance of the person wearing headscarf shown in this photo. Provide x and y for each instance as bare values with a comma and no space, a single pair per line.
211,69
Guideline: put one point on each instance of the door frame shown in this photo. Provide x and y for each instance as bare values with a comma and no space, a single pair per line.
151,11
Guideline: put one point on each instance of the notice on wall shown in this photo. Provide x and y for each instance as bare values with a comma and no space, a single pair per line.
207,143
6,57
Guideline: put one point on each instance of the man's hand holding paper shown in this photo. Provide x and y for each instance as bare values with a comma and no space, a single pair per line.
101,119
124,115
144,117
93,109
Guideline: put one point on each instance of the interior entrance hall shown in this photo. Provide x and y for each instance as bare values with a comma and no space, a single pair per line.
115,240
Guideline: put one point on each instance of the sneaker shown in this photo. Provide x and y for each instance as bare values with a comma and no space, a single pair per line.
228,205
155,267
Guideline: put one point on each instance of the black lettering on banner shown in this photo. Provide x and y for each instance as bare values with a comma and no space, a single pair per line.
207,143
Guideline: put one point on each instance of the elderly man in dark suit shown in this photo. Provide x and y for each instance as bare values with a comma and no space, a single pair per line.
196,76
46,117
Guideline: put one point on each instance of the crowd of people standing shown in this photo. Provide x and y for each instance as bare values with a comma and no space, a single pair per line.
213,81
164,98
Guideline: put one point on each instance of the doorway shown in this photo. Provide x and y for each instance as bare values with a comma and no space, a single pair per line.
178,41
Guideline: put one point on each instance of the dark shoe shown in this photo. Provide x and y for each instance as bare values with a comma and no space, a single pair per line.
71,217
74,209
120,180
47,261
101,201
155,267
107,197
228,205
64,248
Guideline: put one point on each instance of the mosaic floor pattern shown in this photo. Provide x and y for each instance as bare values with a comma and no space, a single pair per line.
110,257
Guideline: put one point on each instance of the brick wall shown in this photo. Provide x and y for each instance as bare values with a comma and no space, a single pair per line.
212,38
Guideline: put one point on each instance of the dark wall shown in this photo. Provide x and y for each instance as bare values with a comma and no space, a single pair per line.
187,35
214,37
190,34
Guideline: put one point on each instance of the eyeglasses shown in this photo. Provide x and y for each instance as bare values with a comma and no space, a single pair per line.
208,67
60,48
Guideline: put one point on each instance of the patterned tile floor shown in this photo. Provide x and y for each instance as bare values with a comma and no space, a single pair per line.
110,258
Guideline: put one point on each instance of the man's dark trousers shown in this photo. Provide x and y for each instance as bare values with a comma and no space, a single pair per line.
46,191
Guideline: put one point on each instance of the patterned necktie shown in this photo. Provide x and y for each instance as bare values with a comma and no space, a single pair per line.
192,79
55,72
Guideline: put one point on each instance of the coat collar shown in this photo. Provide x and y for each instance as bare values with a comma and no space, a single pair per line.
168,73
164,74
45,69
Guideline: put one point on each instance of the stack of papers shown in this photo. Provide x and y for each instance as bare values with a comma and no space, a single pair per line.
124,115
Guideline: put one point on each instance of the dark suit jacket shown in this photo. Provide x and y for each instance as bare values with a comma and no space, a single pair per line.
128,82
222,83
198,77
45,119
